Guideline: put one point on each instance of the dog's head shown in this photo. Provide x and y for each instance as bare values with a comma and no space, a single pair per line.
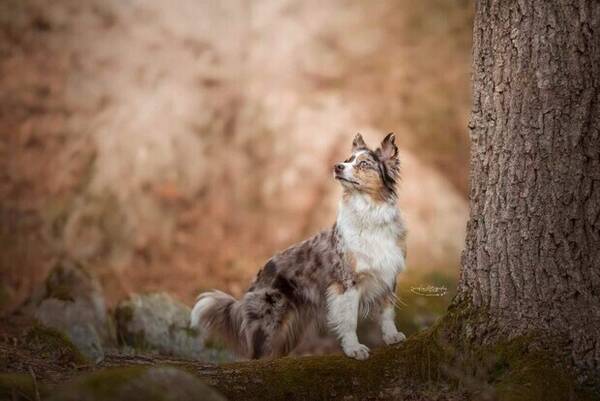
373,172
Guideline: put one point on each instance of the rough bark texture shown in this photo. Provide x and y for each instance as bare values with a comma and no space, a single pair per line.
532,256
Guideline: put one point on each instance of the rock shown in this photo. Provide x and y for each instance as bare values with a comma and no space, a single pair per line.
72,302
138,384
158,322
75,320
51,344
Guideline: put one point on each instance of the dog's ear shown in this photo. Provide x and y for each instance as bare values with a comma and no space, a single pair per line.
358,143
388,149
388,154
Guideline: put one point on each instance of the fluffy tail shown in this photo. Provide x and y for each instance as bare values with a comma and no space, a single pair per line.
220,315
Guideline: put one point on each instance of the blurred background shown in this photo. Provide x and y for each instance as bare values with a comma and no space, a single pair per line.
176,145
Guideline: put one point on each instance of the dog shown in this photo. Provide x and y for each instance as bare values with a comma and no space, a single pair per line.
330,280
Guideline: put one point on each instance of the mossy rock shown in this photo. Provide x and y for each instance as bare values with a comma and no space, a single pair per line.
72,302
52,344
18,386
137,384
69,280
156,322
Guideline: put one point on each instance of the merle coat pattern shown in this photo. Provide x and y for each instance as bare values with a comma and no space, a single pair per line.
331,279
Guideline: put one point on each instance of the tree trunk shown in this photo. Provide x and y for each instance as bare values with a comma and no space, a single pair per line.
532,256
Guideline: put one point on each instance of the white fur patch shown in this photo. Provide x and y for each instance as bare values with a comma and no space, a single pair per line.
390,333
342,316
371,231
349,166
200,309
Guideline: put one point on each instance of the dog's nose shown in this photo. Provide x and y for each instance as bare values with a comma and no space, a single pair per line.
339,168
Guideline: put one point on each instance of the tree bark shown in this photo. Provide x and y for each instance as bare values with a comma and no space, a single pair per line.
532,256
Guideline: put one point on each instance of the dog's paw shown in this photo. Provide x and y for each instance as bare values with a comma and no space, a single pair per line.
394,338
357,351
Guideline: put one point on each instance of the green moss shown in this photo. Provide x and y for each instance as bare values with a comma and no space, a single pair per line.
105,384
63,280
527,367
190,331
514,370
52,344
333,376
18,386
522,374
216,344
141,383
124,316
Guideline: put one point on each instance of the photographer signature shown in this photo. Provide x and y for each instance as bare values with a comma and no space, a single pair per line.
429,291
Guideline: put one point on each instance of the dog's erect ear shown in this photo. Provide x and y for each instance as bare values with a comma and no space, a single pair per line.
388,149
358,143
388,154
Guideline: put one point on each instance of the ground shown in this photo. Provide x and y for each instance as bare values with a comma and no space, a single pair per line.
425,367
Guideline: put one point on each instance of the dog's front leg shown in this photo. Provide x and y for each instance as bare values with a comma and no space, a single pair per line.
342,314
391,335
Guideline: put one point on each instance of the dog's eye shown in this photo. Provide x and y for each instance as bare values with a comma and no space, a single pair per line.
363,163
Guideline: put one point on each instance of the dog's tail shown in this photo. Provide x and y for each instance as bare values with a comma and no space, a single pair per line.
220,315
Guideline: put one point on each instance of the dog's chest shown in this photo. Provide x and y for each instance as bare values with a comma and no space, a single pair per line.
371,238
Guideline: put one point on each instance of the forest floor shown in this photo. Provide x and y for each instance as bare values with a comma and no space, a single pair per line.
33,360
434,363
28,349
39,364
